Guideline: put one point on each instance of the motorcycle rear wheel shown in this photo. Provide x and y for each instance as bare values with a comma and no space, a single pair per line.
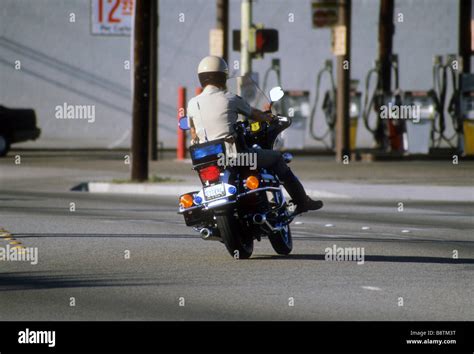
238,243
4,145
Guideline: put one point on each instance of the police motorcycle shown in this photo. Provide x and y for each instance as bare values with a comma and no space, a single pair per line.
237,205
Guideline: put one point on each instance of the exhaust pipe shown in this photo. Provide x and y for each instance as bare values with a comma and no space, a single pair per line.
205,233
259,219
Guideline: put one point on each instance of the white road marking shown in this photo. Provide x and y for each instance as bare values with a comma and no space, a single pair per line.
374,288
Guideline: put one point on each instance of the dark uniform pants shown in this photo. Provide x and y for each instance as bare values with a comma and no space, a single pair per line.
273,160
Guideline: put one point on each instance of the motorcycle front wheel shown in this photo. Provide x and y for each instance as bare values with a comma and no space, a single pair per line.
238,242
281,240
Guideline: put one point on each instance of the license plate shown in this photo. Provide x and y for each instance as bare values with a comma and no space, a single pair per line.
214,192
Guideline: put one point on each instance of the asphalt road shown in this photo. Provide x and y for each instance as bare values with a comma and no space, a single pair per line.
82,255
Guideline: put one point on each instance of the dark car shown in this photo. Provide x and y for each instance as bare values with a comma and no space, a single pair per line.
16,125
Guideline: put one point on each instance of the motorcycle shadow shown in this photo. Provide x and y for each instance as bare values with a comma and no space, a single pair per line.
370,258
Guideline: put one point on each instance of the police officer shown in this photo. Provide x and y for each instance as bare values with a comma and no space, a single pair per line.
213,114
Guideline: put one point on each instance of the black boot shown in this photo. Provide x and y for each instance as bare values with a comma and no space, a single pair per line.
308,205
297,193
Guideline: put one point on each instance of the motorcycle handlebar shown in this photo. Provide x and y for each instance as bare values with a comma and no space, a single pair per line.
241,126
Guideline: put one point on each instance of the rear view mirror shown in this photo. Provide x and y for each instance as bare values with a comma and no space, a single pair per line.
184,124
276,94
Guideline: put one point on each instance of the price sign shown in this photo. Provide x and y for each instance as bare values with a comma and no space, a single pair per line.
339,34
324,13
112,17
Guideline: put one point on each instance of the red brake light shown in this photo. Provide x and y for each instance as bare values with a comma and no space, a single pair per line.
210,173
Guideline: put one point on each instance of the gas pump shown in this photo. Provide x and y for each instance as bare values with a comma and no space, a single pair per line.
328,107
295,103
420,127
410,126
465,108
460,106
275,67
440,83
388,134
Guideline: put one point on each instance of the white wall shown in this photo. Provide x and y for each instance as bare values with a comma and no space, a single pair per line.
63,62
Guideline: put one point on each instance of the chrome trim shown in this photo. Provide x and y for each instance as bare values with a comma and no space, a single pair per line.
259,219
264,222
207,207
182,210
205,204
206,234
258,190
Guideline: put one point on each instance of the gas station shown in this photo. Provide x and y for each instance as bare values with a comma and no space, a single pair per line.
440,127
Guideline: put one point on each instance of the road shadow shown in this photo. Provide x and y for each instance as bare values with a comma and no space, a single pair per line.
370,258
49,280
104,235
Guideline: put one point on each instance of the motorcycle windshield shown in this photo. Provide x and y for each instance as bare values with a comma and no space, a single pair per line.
247,88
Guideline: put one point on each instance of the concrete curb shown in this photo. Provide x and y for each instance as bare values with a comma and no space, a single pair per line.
324,190
169,189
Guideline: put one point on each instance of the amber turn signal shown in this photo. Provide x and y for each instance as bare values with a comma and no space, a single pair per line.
186,201
252,182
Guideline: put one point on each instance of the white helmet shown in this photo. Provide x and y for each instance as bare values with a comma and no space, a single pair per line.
212,63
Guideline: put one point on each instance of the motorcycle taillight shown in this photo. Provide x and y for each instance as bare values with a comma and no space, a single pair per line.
209,173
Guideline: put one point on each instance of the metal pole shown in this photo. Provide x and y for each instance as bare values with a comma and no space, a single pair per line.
223,24
343,87
141,94
465,34
153,152
386,31
181,142
246,23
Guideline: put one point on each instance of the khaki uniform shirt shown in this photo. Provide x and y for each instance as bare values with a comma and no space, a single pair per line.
214,113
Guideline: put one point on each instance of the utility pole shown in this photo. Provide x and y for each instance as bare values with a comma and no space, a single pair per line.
153,138
386,31
343,84
223,25
465,34
246,23
141,91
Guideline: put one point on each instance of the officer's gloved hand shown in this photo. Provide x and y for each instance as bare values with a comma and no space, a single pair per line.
269,116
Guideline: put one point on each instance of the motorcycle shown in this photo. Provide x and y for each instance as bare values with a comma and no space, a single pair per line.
236,204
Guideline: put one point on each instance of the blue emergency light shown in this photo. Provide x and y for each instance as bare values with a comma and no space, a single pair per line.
209,150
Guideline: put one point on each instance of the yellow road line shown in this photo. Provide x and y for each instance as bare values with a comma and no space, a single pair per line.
7,236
